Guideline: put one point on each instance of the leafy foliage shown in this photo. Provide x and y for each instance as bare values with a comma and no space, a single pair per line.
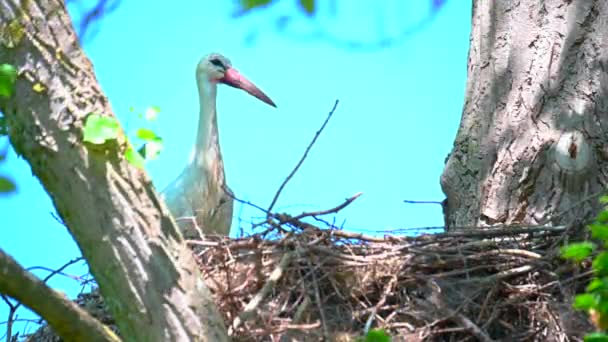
100,129
8,77
577,251
595,298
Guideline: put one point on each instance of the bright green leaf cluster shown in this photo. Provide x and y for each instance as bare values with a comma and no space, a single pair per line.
8,77
577,251
595,297
99,129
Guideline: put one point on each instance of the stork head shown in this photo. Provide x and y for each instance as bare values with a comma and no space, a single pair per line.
216,68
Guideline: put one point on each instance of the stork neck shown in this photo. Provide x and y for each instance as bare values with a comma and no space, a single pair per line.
207,145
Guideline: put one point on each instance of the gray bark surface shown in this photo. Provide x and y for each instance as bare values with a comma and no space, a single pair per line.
145,272
531,147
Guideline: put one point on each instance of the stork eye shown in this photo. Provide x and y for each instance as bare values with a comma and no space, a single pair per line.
218,63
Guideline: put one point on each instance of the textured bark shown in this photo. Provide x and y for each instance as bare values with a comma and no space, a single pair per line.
532,141
146,273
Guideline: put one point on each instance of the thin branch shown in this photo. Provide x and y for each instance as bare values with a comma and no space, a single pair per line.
329,211
422,202
64,316
13,308
295,169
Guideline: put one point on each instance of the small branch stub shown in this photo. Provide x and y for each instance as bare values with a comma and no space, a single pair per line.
572,153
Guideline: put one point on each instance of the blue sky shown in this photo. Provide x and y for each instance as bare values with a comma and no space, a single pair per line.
399,111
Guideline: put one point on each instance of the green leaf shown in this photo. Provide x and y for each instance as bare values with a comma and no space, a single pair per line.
308,6
7,185
8,77
146,134
600,263
596,337
377,335
604,199
577,251
247,5
599,231
99,129
585,301
602,217
134,158
597,284
152,113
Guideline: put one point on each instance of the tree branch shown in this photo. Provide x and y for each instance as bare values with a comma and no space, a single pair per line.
66,318
295,169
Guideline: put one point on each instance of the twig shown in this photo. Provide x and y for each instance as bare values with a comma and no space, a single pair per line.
317,293
250,308
13,308
422,202
329,211
472,328
295,169
387,290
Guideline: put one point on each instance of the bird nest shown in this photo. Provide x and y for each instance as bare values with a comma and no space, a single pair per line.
313,284
307,284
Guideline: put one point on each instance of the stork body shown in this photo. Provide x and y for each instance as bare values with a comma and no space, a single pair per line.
199,199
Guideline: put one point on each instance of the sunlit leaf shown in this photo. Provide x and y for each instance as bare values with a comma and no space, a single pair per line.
99,129
377,335
604,199
8,76
577,251
6,185
600,263
596,337
38,87
146,134
599,231
152,113
134,158
597,284
308,6
585,301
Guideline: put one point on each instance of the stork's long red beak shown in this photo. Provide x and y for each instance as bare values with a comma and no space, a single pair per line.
234,79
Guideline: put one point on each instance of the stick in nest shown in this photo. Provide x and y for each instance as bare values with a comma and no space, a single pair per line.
250,308
295,169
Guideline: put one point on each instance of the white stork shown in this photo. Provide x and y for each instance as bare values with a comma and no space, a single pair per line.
199,197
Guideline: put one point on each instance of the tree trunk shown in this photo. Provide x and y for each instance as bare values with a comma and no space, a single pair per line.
146,273
531,147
